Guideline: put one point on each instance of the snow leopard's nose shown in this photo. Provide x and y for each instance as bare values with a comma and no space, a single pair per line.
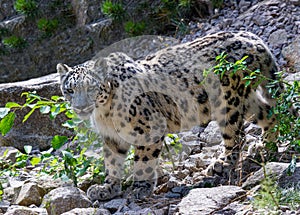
88,109
84,112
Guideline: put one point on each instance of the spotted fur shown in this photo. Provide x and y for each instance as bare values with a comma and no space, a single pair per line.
139,102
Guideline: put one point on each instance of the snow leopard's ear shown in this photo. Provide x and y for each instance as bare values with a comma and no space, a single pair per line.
62,69
90,64
100,68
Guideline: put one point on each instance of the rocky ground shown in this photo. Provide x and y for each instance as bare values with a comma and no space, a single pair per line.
183,190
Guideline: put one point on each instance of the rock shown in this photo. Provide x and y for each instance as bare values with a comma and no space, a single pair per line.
4,205
172,195
115,205
277,171
208,200
144,211
244,5
10,153
87,211
29,194
21,210
48,183
79,42
295,2
39,129
293,77
235,208
291,53
181,191
64,199
211,135
7,9
261,20
80,35
278,38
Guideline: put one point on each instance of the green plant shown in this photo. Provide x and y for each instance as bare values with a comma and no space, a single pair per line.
47,26
217,3
73,166
113,10
12,168
27,7
1,191
253,78
134,28
172,146
185,8
181,27
287,112
70,165
53,106
270,197
14,42
287,106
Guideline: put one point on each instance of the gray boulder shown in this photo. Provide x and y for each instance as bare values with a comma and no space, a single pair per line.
87,211
30,194
277,171
292,54
64,199
203,201
21,210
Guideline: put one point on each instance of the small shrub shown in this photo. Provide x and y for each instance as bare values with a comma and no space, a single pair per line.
113,10
48,27
271,197
14,42
185,7
181,27
217,3
287,112
27,7
71,165
134,28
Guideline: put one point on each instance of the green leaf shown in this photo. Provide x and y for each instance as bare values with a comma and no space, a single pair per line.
12,105
4,153
47,154
4,111
55,110
27,149
45,109
7,122
35,160
58,141
56,98
248,82
69,124
82,171
70,114
69,158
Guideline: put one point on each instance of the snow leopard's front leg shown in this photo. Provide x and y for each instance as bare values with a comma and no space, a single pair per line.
145,167
114,158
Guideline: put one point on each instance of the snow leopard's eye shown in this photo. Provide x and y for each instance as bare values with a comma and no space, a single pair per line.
70,91
91,88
